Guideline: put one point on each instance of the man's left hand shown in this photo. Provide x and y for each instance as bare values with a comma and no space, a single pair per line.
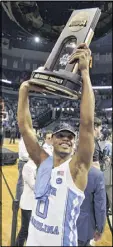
97,236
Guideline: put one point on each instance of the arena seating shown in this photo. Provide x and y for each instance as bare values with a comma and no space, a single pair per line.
19,76
56,107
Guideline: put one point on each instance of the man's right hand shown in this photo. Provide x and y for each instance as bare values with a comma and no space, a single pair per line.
83,56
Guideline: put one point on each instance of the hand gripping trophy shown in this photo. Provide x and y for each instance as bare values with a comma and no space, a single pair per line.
58,77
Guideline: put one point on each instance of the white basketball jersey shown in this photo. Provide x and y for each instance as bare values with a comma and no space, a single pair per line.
53,222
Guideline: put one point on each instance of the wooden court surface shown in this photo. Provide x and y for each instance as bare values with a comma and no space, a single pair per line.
11,175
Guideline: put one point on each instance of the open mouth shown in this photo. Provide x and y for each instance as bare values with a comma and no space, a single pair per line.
65,145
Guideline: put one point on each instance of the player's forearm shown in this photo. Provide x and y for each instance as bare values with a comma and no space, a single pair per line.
23,113
87,105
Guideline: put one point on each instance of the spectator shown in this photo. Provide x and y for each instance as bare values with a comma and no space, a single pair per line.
92,216
26,200
107,149
47,146
23,158
12,134
97,134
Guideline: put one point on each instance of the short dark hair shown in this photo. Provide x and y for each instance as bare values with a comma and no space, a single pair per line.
97,122
47,133
107,133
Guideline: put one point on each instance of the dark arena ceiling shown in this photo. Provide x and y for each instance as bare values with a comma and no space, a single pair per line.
47,19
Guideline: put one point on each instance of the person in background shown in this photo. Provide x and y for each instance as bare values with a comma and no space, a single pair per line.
12,134
107,143
107,150
47,146
26,200
23,158
3,119
97,135
91,221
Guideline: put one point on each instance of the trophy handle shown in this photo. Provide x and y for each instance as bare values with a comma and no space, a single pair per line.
72,67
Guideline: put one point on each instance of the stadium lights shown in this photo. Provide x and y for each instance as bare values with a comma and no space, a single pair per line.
37,39
108,109
102,87
5,81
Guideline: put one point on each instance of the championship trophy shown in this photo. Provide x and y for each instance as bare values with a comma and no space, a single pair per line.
58,77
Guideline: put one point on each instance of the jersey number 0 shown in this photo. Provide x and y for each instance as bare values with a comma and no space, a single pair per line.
42,208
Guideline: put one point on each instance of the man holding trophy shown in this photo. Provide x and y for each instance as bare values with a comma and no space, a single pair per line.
61,179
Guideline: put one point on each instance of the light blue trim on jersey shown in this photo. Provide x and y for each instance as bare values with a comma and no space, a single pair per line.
43,177
72,211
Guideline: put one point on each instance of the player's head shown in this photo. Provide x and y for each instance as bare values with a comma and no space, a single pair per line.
107,134
63,140
48,137
97,127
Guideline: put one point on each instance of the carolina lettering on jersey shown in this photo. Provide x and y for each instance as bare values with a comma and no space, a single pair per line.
44,228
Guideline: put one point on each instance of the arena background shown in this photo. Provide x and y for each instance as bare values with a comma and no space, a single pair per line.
29,32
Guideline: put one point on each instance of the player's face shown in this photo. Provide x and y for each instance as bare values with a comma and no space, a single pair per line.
63,143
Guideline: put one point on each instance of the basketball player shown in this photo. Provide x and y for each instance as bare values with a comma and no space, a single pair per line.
59,192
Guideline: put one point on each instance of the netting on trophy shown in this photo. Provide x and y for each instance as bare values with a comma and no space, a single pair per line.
67,49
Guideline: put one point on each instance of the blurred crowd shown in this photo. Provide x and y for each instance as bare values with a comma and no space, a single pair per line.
19,76
101,80
68,110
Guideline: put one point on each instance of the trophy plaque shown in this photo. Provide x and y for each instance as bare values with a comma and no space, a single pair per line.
58,77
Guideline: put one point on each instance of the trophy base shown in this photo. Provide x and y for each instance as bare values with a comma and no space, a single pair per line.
58,85
53,89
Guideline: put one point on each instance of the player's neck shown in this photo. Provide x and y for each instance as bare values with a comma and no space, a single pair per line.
58,160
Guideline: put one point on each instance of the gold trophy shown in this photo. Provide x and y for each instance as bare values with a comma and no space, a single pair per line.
58,77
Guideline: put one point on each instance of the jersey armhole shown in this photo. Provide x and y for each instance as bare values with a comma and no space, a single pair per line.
70,183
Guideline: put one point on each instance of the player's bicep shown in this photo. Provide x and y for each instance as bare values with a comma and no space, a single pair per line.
36,153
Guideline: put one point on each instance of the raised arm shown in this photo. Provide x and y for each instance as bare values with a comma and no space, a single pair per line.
81,161
36,153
